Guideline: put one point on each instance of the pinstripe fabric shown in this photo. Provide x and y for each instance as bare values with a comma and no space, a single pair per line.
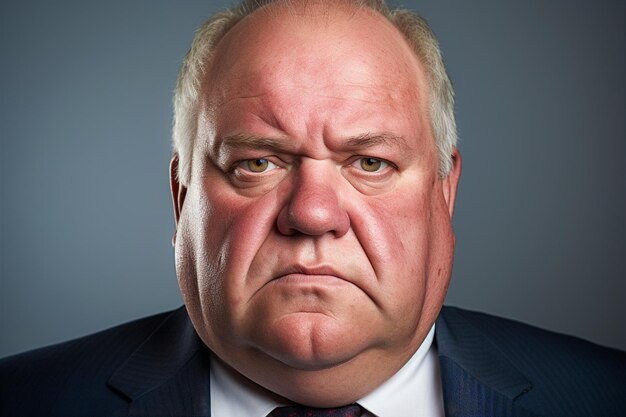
496,367
186,393
166,350
159,367
468,396
168,375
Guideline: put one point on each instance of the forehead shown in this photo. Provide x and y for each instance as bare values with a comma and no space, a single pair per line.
314,46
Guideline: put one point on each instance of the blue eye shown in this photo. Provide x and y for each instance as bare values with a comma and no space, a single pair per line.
372,164
257,165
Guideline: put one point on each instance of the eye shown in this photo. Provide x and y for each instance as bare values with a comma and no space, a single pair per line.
257,165
371,164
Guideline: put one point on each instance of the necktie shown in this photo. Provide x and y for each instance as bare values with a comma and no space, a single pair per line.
352,410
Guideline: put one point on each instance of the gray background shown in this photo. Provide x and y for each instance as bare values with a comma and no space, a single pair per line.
85,120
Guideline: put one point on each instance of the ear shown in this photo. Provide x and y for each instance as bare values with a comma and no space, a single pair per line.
451,182
179,192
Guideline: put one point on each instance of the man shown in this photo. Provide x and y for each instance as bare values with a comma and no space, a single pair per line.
314,181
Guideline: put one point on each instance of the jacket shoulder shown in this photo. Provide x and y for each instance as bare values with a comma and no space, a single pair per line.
78,369
563,369
515,336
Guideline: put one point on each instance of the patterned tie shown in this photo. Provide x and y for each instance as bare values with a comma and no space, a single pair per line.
352,410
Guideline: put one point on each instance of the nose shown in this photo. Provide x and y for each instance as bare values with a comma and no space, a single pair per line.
314,206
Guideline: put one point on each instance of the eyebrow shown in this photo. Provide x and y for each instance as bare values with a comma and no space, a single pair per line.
364,140
242,140
368,140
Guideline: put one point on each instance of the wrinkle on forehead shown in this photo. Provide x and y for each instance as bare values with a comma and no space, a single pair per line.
276,47
348,80
352,95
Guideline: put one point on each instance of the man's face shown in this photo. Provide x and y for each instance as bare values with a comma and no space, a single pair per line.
314,237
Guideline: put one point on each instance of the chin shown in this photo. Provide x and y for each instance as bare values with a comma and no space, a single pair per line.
310,341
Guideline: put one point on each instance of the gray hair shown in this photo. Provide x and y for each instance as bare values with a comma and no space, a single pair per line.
414,28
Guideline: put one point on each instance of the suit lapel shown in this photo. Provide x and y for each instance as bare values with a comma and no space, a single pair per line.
168,374
478,380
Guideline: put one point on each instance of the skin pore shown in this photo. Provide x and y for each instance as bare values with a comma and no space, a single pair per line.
314,242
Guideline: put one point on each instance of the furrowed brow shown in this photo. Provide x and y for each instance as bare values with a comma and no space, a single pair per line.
369,140
252,142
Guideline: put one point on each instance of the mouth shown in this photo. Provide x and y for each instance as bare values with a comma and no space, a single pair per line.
315,288
300,274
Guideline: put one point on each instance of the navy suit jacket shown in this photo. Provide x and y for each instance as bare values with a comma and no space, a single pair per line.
158,366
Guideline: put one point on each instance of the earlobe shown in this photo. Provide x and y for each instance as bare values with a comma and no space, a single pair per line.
178,190
451,182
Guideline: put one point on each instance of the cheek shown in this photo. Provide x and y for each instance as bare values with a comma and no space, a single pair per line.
222,233
197,257
393,231
245,224
441,251
396,233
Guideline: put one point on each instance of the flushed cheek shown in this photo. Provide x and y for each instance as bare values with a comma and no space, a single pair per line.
393,227
218,234
236,230
393,232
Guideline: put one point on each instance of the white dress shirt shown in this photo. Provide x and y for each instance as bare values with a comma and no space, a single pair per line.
415,390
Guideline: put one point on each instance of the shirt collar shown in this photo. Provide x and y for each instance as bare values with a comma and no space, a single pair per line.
234,395
415,390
